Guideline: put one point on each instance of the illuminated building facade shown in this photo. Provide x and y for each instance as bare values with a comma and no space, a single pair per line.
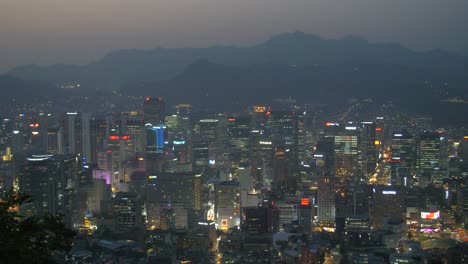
127,211
51,181
326,201
174,191
403,158
346,160
227,204
387,202
427,154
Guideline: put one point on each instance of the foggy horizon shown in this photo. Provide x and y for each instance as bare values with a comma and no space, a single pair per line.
53,32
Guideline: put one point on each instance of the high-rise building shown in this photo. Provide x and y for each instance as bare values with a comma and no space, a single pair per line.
305,214
346,160
155,148
86,154
154,110
387,202
403,157
227,204
367,147
174,191
427,155
326,201
127,211
239,138
205,141
51,181
260,220
282,181
73,133
281,130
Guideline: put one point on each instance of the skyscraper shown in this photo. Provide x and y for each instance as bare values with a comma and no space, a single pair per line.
51,181
281,171
227,204
346,153
427,154
403,156
326,201
154,110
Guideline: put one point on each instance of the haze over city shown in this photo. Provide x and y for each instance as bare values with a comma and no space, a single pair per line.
234,132
55,31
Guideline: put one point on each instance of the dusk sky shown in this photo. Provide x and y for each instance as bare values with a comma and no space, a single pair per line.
53,31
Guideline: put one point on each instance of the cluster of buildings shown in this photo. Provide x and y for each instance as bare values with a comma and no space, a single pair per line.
273,184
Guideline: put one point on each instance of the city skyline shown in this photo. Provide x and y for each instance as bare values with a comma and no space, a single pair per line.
242,131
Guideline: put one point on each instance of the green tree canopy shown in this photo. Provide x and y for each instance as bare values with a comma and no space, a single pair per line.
30,239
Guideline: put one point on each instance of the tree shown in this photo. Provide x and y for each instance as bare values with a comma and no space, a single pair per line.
30,239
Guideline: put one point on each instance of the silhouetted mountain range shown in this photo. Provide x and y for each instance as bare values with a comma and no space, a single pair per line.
299,49
19,89
298,65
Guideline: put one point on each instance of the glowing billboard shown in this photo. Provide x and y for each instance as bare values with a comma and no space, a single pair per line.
430,215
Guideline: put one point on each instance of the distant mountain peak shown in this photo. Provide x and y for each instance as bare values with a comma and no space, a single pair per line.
293,48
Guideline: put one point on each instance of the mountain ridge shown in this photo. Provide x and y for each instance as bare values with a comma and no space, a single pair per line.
133,65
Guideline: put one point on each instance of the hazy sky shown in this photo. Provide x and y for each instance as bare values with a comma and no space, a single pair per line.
77,31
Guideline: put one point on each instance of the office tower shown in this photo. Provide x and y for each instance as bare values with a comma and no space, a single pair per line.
171,188
352,200
86,154
299,140
239,138
53,139
118,151
99,198
73,139
380,129
175,191
367,147
325,153
154,110
155,137
326,201
257,220
127,211
282,181
134,126
154,113
184,121
99,136
184,112
387,202
346,160
357,230
259,116
288,213
281,130
227,204
197,189
17,141
246,186
402,161
51,181
427,156
305,214
205,140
